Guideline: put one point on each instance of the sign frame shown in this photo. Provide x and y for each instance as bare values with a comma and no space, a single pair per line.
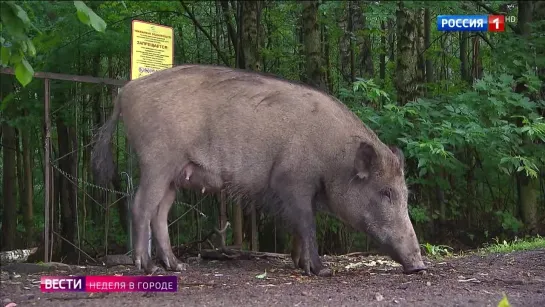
132,57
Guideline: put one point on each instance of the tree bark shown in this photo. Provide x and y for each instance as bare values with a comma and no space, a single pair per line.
406,79
251,47
67,189
315,75
345,22
363,41
529,187
9,194
463,57
427,44
28,191
382,67
250,35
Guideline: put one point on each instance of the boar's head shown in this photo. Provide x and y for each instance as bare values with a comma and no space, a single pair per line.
373,198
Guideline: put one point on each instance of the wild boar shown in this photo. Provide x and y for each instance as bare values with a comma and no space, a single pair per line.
282,145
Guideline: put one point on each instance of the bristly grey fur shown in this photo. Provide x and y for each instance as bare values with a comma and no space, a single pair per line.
287,148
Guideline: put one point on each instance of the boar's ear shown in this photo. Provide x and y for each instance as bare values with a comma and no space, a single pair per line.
399,155
365,156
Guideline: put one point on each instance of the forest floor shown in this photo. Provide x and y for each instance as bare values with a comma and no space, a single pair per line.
471,280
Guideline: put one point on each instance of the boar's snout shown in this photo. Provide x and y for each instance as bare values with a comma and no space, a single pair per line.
414,266
406,251
419,267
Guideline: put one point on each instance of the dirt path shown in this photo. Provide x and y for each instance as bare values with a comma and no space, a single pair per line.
468,281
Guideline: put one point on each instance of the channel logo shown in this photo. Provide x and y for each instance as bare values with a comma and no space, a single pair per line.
471,23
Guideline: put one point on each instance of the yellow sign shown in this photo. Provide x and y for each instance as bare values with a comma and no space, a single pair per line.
152,48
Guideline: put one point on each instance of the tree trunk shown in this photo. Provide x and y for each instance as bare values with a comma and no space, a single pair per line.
345,42
237,223
250,35
28,192
427,43
327,57
477,68
230,29
363,41
240,51
250,47
463,57
9,193
420,46
382,68
238,214
352,42
67,189
406,79
529,187
311,47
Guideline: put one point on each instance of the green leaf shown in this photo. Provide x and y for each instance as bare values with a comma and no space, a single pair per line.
261,276
19,12
5,54
88,17
83,17
6,100
13,24
30,48
97,22
504,302
24,72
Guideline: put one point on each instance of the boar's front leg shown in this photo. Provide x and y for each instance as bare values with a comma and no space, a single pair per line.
297,249
296,198
159,225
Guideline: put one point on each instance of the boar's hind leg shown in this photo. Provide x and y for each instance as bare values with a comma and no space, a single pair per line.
159,224
151,191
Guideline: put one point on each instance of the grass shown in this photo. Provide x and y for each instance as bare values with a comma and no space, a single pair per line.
515,245
440,252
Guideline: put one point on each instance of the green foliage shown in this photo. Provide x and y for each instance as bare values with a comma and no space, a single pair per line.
508,221
504,302
88,17
490,121
419,214
517,244
437,251
17,46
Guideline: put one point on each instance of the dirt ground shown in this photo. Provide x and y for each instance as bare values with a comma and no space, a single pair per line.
358,281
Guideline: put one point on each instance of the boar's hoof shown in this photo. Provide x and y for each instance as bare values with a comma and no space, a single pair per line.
181,266
138,264
152,269
324,273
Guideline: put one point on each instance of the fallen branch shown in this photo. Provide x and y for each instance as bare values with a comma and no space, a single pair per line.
232,254
357,254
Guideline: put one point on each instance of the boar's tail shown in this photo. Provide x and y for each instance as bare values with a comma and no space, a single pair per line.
102,155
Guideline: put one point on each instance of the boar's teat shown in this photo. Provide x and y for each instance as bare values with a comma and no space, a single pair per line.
196,177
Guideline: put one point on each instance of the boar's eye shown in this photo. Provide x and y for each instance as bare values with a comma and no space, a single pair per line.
386,193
